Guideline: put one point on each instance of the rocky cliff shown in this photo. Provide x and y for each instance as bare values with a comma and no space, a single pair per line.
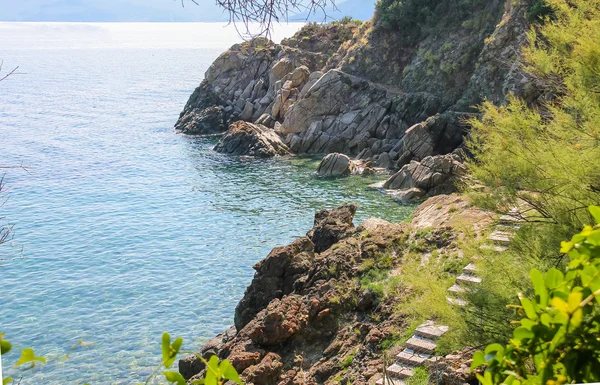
310,317
358,89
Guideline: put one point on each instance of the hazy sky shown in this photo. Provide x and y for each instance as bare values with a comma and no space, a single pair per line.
135,10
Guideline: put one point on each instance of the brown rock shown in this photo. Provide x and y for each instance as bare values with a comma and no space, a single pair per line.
331,226
265,373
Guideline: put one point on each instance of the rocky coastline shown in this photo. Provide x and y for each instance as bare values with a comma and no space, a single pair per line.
368,102
321,92
307,319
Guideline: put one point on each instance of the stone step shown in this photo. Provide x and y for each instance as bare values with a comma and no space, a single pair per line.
500,237
390,381
456,301
456,289
410,357
508,228
470,269
421,345
399,371
467,279
496,248
510,218
430,330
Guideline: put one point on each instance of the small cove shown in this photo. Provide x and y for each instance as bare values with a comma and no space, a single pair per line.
127,228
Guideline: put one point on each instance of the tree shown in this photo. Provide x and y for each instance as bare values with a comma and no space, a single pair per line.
543,156
268,12
557,341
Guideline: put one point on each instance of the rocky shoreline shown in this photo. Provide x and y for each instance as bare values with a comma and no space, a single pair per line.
306,318
321,92
368,101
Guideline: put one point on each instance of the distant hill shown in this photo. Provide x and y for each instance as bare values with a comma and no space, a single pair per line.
357,9
109,10
151,10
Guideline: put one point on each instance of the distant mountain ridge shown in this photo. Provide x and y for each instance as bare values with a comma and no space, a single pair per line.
151,11
357,9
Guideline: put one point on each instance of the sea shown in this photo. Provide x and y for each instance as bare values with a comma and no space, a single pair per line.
122,228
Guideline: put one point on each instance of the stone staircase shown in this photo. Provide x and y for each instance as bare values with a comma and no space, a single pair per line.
419,350
498,241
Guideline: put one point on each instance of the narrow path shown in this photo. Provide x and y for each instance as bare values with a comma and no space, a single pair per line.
420,348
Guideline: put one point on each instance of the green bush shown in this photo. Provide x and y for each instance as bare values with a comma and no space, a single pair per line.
411,16
557,340
543,155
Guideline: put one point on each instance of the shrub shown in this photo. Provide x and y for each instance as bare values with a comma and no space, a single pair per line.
545,154
557,340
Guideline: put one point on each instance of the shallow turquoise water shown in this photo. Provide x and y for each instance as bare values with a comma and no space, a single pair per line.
128,229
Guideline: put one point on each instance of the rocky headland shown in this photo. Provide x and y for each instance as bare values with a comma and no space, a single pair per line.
368,92
368,99
308,317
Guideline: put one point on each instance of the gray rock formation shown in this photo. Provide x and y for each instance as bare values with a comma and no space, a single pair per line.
433,175
382,97
203,114
335,165
246,82
249,139
347,114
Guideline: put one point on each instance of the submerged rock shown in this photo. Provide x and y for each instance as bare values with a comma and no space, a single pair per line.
244,138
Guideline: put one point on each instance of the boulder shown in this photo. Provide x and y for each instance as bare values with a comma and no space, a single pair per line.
433,175
407,196
203,113
335,165
275,277
331,226
249,139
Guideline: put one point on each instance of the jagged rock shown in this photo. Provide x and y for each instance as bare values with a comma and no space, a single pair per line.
438,134
433,172
244,138
297,329
346,114
244,79
203,114
275,277
191,365
266,372
331,226
335,165
278,322
312,79
247,111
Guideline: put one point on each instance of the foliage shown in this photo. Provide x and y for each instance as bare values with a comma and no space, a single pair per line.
420,377
347,361
557,340
542,155
538,11
410,16
217,373
27,357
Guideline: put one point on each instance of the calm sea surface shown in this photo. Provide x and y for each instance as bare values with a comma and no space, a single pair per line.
127,228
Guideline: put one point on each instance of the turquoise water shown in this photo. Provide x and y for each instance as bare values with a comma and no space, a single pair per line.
127,228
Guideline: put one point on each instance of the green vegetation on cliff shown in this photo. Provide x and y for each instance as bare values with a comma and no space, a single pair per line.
543,155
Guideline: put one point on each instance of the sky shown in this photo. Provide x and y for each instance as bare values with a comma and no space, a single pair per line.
140,10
